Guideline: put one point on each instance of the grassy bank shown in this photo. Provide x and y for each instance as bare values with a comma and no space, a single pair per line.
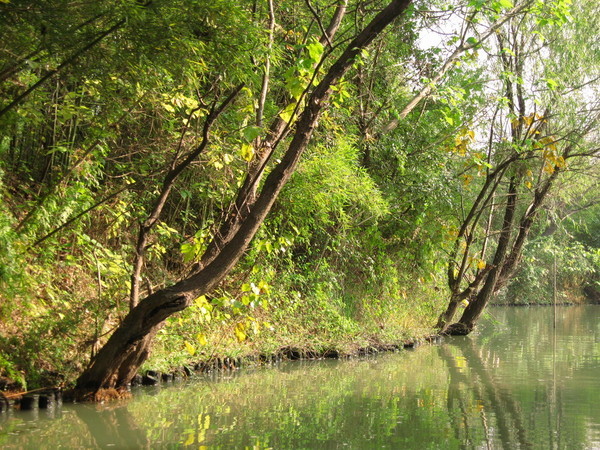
57,333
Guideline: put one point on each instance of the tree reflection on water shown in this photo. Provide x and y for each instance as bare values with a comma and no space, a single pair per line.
515,384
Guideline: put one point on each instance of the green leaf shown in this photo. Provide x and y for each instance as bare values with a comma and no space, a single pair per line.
315,50
477,4
251,133
499,5
551,83
508,51
295,86
188,251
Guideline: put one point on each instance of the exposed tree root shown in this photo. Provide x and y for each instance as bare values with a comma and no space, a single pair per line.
97,396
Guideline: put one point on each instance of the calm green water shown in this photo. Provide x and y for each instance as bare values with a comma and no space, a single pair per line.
515,384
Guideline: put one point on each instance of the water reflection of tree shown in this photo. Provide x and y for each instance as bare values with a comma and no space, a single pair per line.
550,402
494,400
113,427
398,401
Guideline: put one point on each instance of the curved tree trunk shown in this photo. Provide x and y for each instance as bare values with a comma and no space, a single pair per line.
119,359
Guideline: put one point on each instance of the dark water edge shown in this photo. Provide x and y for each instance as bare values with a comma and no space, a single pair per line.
518,382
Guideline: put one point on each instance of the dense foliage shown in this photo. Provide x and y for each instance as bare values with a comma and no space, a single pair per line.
129,131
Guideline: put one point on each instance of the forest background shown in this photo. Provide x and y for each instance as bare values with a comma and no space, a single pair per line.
455,159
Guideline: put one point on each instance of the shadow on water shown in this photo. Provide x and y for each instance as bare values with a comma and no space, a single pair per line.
516,384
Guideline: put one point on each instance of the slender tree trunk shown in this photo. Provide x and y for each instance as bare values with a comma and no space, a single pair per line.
278,130
175,171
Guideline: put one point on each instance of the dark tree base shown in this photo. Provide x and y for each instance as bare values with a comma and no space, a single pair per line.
457,329
96,396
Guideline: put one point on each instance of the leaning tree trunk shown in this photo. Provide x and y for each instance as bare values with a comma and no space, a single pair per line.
479,301
506,259
265,148
119,359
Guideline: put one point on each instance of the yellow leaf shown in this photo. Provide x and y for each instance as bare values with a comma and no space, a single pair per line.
481,264
201,339
287,112
549,140
528,184
465,303
190,348
240,332
247,152
190,440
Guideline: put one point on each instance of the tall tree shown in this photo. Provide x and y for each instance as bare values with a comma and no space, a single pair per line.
535,134
118,360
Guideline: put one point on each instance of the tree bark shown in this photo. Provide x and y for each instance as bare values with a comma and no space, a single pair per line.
118,360
507,256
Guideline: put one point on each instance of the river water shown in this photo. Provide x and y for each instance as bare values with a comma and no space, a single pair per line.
516,383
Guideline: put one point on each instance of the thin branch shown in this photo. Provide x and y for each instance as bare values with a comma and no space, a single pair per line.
266,76
318,20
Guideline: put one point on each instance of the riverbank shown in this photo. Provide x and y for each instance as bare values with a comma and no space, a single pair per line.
48,397
285,326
